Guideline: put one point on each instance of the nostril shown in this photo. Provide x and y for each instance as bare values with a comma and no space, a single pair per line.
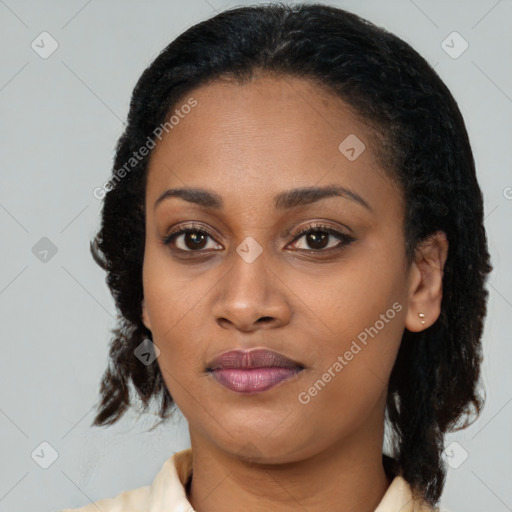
265,319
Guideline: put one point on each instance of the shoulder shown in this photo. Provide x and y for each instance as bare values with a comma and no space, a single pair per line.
134,500
165,492
399,494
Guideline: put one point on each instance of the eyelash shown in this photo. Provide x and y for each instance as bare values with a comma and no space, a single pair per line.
313,228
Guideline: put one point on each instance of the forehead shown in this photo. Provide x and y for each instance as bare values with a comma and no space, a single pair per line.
261,137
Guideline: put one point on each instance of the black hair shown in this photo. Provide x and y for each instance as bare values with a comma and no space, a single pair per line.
423,145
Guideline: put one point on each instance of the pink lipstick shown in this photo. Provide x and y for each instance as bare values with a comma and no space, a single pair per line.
252,371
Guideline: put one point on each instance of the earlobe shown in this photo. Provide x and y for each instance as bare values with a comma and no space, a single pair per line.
426,283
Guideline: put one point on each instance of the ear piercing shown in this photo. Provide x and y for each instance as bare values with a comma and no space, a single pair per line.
422,316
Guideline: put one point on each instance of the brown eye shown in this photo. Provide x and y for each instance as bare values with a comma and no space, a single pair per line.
322,239
194,240
190,239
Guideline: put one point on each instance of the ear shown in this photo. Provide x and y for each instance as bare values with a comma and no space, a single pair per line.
426,282
145,317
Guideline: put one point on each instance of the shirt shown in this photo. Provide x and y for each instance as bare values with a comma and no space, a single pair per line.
167,492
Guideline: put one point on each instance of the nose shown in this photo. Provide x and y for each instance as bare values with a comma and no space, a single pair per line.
251,296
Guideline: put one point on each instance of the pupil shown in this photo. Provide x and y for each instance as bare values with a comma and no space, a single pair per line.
197,238
317,242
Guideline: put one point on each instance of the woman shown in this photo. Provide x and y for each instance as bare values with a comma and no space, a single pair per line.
293,234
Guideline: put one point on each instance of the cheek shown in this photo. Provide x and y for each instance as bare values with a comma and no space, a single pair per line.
350,380
356,296
362,312
169,293
172,303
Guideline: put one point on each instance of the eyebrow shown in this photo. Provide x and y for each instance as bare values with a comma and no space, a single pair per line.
282,201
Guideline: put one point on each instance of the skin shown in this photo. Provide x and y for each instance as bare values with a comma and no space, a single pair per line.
268,450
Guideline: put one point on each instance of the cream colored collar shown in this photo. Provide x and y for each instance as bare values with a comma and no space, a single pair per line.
167,491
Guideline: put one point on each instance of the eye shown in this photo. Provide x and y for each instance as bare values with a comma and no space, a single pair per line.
192,238
319,238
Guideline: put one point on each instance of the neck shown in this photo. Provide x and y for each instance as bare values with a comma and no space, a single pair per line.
348,476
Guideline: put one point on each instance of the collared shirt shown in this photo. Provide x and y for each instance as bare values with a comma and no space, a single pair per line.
167,493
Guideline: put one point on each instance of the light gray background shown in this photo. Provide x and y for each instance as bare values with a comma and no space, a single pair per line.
60,119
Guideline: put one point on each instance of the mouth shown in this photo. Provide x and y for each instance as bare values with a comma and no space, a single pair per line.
252,371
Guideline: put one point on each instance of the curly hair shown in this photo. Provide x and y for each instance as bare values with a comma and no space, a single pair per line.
422,144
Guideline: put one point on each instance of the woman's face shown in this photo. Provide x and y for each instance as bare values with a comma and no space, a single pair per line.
333,303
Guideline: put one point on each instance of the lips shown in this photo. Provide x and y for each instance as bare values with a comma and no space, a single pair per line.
256,358
252,371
